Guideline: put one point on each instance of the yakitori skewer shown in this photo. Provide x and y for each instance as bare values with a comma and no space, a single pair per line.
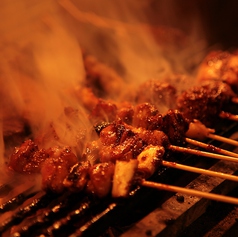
200,106
209,103
145,166
172,188
149,157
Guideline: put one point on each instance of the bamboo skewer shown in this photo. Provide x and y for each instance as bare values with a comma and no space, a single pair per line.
200,170
199,131
229,116
211,147
202,153
176,189
223,139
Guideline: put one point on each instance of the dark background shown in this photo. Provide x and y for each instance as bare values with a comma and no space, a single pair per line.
218,19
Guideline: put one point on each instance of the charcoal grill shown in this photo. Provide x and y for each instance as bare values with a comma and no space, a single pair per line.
147,212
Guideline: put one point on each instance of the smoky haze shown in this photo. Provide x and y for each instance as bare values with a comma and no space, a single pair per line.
43,42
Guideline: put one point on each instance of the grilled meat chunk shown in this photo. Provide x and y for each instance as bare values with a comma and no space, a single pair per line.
103,111
78,176
175,125
220,66
56,168
119,142
100,181
147,117
27,158
123,142
125,113
205,102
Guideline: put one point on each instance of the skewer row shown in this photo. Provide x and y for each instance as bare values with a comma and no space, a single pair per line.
226,155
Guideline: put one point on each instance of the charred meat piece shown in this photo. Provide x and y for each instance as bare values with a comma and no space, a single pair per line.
205,102
27,158
122,142
147,117
100,181
78,176
125,113
230,74
104,111
115,133
175,126
153,137
119,142
56,168
129,149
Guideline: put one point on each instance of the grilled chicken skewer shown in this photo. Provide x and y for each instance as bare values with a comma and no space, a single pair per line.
207,102
100,174
147,163
201,105
129,137
117,141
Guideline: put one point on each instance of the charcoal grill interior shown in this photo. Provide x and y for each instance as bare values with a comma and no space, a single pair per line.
147,212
